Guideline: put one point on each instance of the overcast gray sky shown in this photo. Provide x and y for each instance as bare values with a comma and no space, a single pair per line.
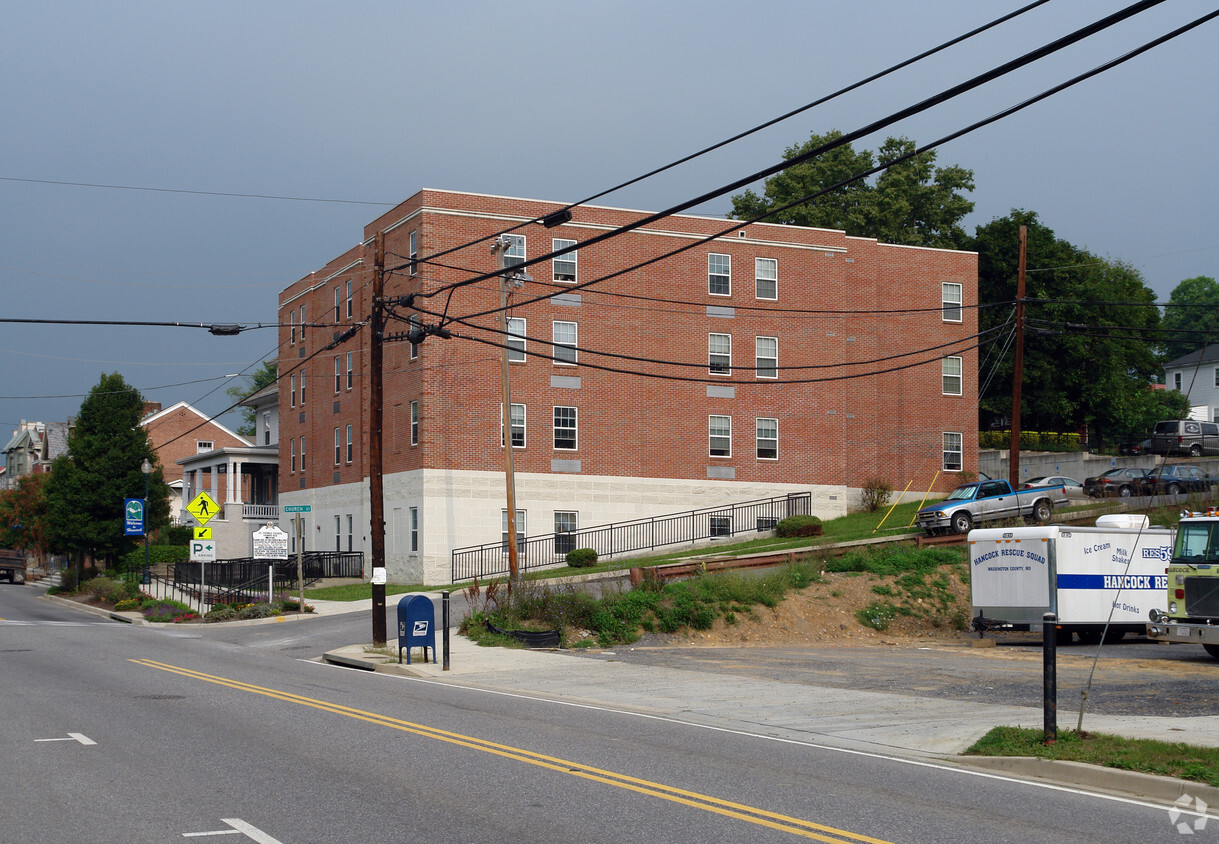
372,101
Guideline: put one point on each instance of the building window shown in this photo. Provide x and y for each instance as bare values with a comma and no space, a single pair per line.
292,448
952,376
338,303
413,323
266,427
719,354
1176,381
349,301
766,277
302,323
302,455
721,525
1217,376
564,334
720,431
349,444
302,389
516,339
719,275
515,253
768,439
292,391
349,375
565,428
415,422
414,253
952,451
565,264
338,373
951,295
203,446
517,421
338,445
414,530
520,530
292,328
766,523
338,532
565,531
766,355
349,532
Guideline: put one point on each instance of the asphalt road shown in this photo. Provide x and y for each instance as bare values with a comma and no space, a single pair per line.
135,734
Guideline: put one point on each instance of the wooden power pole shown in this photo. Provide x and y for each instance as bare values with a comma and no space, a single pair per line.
1018,366
376,485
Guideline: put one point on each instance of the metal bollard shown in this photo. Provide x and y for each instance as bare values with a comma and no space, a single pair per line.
1049,680
444,621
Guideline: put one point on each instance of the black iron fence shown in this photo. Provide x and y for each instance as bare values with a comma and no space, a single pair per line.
244,580
491,559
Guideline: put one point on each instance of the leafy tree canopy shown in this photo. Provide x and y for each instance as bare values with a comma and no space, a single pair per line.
23,515
84,496
1190,320
1089,346
913,202
264,376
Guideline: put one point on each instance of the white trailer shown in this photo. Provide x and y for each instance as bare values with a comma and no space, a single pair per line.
1081,574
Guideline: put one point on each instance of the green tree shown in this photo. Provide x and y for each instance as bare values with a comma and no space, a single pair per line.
23,515
913,202
87,486
1191,320
1089,352
264,376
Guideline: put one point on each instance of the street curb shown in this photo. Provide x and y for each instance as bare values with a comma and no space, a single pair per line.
138,619
372,662
1093,777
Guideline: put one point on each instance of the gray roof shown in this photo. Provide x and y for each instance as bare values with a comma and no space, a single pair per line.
1208,355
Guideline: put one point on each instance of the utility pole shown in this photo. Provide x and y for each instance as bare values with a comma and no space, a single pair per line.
1018,366
376,486
500,246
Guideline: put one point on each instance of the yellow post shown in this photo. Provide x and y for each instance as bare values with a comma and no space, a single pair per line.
925,495
891,509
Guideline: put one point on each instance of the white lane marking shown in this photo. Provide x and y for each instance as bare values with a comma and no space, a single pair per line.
239,827
80,737
1066,789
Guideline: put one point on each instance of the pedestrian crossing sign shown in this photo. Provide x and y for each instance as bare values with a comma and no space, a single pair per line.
203,507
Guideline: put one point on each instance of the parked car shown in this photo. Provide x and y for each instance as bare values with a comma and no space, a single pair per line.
1185,436
1123,482
1171,479
1070,486
1133,448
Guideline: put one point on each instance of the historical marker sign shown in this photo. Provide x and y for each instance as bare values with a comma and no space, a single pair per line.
270,543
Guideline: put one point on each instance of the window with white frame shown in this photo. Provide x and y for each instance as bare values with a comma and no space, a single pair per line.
302,323
565,526
719,274
564,334
515,253
415,422
338,373
292,391
766,357
516,339
1217,376
765,523
412,322
266,427
414,529
951,304
951,367
349,311
1176,381
338,532
720,525
349,531
719,430
952,451
292,328
414,253
768,438
203,446
520,530
303,389
338,446
565,264
338,306
350,443
766,278
302,455
349,370
719,354
292,448
565,428
517,421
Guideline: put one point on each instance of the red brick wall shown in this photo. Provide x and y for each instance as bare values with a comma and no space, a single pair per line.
176,434
850,421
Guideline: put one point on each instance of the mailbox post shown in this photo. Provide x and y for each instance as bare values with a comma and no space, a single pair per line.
416,625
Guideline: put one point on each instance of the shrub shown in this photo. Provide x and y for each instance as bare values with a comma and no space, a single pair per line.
259,610
799,526
127,604
581,558
111,591
222,612
165,610
876,494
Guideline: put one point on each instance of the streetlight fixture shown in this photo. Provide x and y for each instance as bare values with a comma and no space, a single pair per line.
146,468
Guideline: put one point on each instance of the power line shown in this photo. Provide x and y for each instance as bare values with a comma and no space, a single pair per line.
195,192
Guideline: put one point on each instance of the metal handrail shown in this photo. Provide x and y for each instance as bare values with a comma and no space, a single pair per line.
491,559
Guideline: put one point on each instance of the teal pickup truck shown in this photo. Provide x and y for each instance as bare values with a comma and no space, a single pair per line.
987,501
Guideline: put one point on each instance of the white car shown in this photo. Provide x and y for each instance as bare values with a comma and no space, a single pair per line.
1071,487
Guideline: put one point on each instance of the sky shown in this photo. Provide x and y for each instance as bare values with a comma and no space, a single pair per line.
363,104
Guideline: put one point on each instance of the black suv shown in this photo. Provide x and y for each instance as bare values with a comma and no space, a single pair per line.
1172,479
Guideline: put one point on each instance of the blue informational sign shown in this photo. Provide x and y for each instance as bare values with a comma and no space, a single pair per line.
133,517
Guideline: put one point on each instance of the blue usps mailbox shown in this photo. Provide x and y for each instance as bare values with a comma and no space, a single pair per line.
416,625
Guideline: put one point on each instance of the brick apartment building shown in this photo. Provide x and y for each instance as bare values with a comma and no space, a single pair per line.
766,361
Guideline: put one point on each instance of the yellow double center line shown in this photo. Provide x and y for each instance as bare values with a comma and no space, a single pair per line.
739,811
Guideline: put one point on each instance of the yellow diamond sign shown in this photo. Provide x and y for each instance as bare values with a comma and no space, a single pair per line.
203,507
